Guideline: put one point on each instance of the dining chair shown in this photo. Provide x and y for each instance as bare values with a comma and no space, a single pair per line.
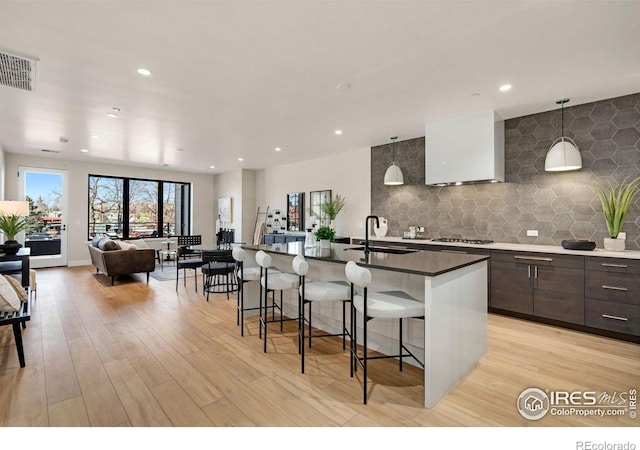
218,264
187,263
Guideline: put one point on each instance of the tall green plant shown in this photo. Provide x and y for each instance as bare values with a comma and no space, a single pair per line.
333,207
616,201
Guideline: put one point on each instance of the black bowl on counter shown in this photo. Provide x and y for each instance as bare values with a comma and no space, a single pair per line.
578,244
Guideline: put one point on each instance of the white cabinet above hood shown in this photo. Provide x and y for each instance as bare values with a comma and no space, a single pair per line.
465,150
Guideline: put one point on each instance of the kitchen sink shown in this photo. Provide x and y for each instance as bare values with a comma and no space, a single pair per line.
397,251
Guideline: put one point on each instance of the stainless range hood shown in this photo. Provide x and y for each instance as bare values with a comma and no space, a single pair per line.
466,150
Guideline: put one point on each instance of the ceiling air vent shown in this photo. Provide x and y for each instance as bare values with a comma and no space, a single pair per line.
17,71
46,150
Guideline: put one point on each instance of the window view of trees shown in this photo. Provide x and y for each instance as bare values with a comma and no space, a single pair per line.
152,208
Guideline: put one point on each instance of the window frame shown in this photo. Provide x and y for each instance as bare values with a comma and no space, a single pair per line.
184,204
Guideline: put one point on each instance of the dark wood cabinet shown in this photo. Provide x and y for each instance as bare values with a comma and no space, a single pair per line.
543,285
612,296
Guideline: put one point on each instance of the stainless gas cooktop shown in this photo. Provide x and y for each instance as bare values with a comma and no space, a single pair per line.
462,240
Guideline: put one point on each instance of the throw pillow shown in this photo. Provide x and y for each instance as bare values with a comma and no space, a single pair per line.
9,300
127,245
96,240
15,284
142,244
107,244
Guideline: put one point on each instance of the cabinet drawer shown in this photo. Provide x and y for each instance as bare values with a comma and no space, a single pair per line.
615,287
538,259
613,265
613,316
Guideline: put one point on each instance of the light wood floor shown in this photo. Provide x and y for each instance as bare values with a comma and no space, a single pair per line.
145,356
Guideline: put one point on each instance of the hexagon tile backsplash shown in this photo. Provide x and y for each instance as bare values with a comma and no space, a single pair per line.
560,205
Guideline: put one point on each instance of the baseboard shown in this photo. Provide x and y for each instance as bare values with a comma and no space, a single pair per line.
79,262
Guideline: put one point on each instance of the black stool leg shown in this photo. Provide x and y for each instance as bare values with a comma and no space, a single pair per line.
400,341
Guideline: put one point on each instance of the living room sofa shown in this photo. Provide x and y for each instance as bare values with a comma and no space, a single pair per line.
115,258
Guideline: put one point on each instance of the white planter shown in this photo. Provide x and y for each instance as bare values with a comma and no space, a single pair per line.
381,231
614,245
325,243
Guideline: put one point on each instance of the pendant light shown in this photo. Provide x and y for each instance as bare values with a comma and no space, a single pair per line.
563,154
393,175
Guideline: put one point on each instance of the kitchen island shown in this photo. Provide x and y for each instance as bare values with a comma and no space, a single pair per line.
453,336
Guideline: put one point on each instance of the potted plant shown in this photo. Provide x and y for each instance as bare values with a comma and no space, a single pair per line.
11,225
325,235
616,201
332,208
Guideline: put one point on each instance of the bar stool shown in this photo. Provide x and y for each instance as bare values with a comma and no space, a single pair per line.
245,275
276,282
316,292
377,305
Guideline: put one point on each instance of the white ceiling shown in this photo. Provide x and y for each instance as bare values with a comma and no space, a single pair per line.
239,78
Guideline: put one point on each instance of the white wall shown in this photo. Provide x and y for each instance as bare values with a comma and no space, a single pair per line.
203,217
230,185
2,173
347,174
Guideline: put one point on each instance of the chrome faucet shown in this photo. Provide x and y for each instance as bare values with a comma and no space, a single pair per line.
366,231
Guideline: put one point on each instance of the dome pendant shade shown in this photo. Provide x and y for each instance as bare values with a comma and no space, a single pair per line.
563,156
393,175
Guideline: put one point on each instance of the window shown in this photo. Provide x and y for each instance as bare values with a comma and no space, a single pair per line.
152,208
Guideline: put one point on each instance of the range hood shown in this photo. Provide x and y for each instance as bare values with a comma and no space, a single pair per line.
466,150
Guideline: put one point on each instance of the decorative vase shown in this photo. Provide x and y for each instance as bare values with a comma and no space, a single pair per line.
10,247
325,243
613,244
381,231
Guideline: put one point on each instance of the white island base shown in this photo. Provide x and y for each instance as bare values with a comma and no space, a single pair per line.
455,335
450,341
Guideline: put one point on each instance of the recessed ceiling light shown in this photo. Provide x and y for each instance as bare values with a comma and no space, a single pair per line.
338,132
475,94
116,109
143,71
240,159
343,86
212,167
84,150
277,149
95,136
505,87
112,115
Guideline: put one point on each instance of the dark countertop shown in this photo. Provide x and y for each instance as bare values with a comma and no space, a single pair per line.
427,263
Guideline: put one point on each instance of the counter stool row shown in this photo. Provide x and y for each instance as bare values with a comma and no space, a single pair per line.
370,305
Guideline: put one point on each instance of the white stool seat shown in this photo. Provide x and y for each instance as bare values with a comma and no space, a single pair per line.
389,306
326,291
280,281
251,273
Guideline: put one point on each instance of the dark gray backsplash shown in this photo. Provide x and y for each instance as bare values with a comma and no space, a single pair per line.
559,205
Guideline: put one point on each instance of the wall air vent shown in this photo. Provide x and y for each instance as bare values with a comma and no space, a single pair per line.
17,71
46,150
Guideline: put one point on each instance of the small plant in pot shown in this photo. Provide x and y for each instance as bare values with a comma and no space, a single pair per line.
11,225
616,201
325,235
